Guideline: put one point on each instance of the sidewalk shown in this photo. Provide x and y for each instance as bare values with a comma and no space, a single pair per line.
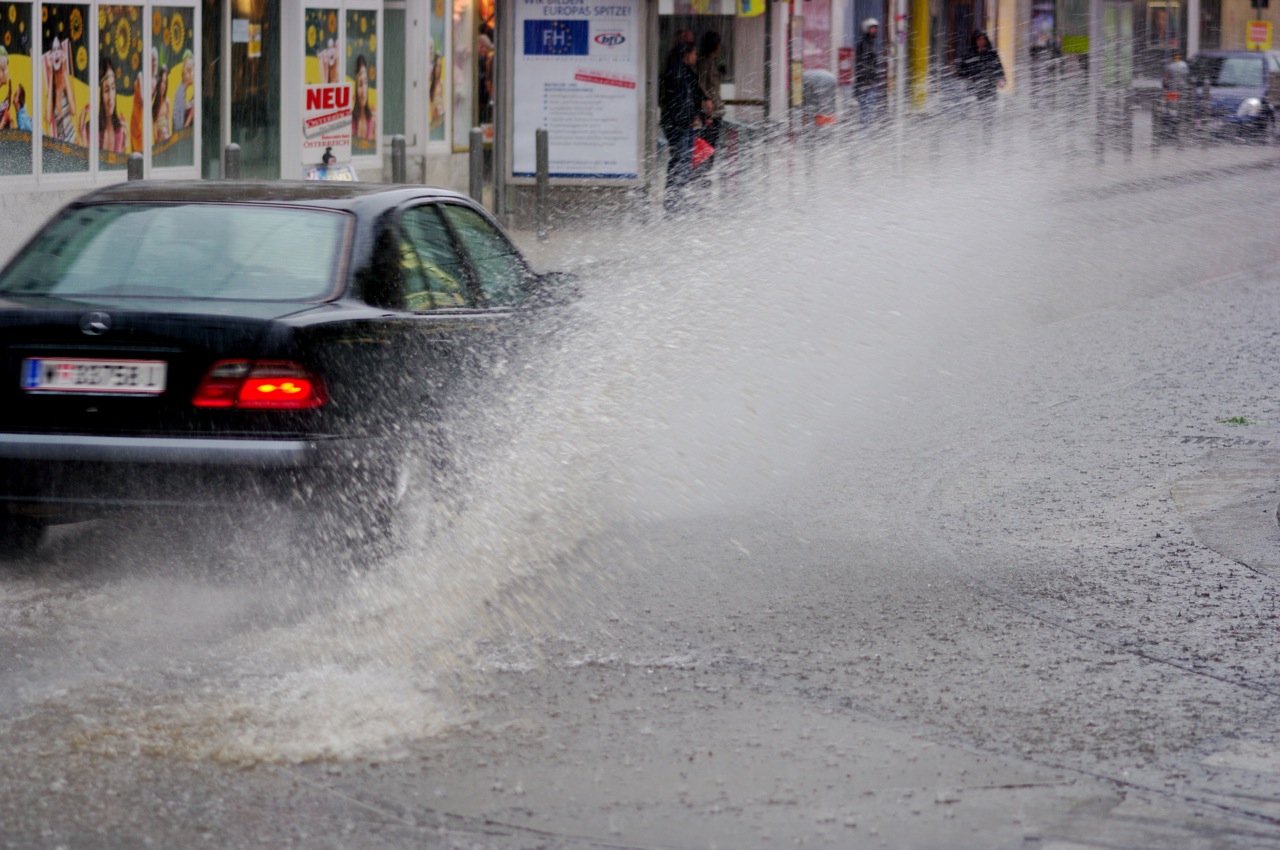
784,169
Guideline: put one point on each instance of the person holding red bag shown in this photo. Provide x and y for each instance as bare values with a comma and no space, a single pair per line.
681,101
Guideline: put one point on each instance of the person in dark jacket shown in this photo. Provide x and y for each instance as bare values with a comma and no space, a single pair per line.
983,73
982,68
871,76
681,100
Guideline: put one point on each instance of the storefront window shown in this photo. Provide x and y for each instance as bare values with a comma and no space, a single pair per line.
16,90
65,68
393,77
255,86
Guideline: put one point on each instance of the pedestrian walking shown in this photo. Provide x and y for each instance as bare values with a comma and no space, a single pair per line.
984,74
681,103
871,76
710,74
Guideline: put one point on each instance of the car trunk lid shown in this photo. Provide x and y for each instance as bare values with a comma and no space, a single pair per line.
128,365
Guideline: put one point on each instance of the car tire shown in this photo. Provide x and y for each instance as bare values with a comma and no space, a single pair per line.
20,535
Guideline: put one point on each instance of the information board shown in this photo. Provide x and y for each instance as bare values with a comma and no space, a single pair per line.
578,75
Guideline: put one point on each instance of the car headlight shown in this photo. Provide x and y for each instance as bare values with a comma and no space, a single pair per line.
1250,107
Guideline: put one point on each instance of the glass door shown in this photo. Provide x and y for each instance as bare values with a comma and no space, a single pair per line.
251,100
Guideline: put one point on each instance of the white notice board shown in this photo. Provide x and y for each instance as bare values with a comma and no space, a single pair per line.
578,73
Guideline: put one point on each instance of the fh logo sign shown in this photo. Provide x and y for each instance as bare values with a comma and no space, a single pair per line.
556,38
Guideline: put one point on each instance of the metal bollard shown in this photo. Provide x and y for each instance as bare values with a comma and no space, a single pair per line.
543,165
397,159
475,165
231,162
135,166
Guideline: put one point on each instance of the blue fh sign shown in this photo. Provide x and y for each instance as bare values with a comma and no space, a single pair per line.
557,38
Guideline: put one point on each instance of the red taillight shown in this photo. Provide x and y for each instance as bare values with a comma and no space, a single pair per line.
1171,95
259,385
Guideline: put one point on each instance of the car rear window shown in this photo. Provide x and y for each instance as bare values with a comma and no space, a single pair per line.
216,251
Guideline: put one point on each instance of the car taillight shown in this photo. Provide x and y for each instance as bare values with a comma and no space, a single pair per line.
259,385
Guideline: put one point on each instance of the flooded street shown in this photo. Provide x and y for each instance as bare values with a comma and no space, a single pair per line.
939,511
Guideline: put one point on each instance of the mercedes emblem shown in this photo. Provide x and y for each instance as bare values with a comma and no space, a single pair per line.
95,324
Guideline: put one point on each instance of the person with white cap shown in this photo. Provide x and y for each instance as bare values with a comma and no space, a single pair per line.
871,76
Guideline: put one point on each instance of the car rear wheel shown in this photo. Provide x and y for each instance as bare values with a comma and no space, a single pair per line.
356,514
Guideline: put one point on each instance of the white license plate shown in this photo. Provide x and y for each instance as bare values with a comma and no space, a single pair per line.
126,377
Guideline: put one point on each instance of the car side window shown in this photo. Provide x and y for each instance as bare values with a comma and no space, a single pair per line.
435,276
498,265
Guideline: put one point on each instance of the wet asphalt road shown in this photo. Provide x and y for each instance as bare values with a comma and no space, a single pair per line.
1018,590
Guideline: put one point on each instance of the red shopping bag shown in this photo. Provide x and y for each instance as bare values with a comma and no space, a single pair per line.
701,151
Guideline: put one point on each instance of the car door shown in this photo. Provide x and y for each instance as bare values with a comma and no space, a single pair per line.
447,310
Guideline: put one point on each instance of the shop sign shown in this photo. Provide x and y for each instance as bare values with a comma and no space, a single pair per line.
844,65
326,123
1259,35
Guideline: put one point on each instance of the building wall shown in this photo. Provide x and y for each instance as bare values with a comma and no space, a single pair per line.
1236,15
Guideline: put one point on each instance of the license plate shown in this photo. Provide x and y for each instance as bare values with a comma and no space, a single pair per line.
116,377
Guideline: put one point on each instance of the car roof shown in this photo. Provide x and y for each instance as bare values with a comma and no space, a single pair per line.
351,196
1258,53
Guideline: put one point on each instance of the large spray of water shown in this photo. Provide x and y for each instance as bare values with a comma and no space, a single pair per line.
710,357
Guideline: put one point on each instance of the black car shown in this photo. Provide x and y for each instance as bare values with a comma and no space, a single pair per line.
193,343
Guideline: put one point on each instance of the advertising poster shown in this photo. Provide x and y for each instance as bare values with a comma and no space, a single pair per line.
173,93
485,48
436,58
16,125
323,49
120,124
817,35
1163,21
578,75
362,74
1042,26
65,85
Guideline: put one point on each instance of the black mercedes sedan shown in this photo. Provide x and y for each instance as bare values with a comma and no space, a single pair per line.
193,343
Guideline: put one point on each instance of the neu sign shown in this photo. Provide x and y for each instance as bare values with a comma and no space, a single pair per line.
329,97
326,123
